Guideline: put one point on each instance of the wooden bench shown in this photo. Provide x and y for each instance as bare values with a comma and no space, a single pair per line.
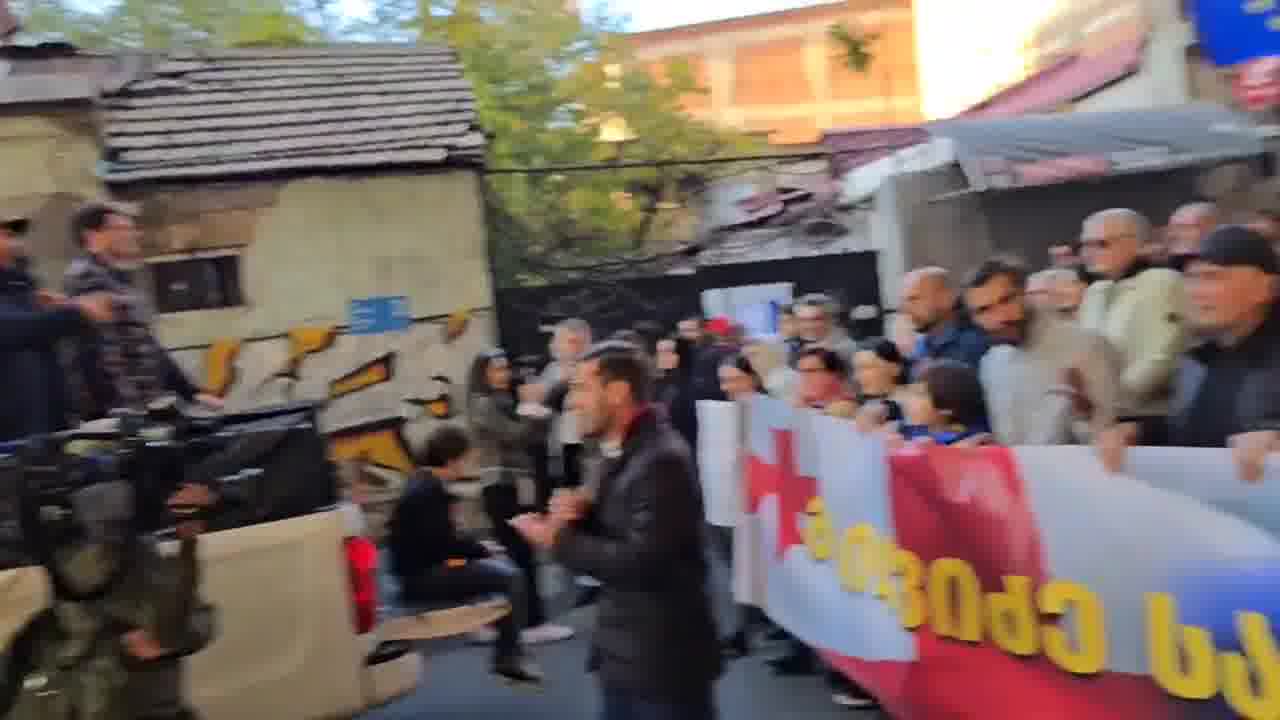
420,623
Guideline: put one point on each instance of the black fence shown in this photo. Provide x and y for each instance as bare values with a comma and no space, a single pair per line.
611,304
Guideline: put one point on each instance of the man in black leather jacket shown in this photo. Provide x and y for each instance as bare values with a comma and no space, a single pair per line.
638,530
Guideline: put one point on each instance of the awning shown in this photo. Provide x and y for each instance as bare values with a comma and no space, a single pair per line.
1046,149
1067,80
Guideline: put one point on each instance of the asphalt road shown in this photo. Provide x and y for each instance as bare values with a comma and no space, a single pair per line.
456,686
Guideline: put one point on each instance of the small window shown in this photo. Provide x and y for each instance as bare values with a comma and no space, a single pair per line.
201,283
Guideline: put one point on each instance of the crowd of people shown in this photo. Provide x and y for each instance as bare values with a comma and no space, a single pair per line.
1133,336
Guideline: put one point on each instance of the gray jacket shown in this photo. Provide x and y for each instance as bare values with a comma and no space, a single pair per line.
1026,399
501,438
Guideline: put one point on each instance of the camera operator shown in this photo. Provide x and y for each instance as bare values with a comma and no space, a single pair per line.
32,324
181,624
111,645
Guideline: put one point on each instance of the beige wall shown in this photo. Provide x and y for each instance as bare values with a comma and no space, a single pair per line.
324,241
46,169
384,393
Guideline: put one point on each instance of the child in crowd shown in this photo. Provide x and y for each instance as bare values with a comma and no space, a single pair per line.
947,405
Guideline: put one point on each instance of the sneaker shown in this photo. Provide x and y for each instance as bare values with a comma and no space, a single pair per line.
737,645
544,634
483,636
587,596
794,665
518,671
847,699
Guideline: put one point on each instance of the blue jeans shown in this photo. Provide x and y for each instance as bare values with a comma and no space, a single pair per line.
627,705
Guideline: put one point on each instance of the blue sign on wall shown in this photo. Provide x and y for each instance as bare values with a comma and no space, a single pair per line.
377,315
1234,31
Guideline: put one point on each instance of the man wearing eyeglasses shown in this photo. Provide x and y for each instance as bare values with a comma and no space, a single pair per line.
1138,307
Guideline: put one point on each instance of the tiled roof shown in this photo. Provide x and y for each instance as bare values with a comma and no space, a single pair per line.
242,112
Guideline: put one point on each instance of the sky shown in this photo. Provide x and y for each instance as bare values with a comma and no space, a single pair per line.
653,14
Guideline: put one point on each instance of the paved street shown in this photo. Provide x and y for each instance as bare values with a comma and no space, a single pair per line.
456,685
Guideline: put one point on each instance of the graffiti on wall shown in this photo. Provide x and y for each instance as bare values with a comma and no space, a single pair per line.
381,394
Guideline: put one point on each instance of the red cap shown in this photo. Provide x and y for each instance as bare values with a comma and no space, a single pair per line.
720,326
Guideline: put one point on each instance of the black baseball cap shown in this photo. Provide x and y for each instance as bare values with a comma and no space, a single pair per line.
15,224
1239,246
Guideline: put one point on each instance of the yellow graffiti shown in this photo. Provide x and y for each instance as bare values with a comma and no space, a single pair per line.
374,372
456,325
306,341
382,445
220,366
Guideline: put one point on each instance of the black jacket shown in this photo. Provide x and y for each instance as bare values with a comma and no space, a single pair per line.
421,532
673,393
1221,391
704,378
33,391
655,632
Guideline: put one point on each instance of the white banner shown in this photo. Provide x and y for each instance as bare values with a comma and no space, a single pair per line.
719,444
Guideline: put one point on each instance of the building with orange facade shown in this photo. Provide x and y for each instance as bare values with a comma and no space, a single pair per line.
780,75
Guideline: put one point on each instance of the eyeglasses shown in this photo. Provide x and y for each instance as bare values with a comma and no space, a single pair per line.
1103,243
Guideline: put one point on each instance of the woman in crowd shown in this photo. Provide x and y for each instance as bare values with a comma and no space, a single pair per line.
738,379
824,383
739,382
879,369
673,358
504,422
947,405
769,359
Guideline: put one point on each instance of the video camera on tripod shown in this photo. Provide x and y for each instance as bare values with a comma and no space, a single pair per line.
110,485
113,480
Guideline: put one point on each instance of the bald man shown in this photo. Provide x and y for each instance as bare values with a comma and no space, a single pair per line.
1136,306
930,302
1189,225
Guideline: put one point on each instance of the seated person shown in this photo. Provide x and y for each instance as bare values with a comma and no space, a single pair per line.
435,564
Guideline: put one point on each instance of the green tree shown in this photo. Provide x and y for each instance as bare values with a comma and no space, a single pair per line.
180,23
853,45
548,81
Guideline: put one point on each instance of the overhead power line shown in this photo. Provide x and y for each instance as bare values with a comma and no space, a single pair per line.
640,164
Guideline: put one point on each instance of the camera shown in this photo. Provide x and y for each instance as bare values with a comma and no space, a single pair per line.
108,485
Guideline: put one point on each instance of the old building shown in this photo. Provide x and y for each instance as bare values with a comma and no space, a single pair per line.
274,188
780,75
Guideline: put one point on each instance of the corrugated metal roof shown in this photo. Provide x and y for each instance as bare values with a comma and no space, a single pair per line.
224,113
855,147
